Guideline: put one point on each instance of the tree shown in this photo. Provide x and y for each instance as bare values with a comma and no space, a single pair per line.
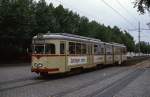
116,35
144,46
16,26
142,5
83,26
42,17
128,40
20,20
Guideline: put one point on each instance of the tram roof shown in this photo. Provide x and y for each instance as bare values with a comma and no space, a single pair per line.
72,37
66,36
115,44
118,44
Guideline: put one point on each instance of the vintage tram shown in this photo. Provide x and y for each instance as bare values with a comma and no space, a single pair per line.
61,52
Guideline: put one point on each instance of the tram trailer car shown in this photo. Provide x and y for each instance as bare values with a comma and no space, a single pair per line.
61,52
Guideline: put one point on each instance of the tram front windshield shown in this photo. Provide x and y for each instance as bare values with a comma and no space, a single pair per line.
44,49
38,49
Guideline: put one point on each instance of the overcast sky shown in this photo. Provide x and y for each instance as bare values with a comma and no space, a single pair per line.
97,10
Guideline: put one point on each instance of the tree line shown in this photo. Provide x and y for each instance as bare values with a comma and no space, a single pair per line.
20,20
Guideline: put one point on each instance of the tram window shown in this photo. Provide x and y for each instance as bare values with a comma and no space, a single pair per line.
124,50
39,49
83,48
108,50
78,48
116,50
102,50
50,48
119,50
89,49
97,49
71,48
62,48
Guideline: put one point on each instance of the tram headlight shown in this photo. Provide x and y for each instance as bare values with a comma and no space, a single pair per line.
40,65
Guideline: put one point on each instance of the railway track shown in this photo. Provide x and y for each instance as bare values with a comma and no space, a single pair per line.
125,80
113,88
18,80
37,80
15,81
106,91
33,80
63,93
19,85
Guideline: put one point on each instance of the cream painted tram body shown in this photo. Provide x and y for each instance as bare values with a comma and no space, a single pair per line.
60,52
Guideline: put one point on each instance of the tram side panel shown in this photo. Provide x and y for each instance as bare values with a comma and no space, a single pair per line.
117,55
76,55
76,61
58,59
108,54
56,63
120,54
99,57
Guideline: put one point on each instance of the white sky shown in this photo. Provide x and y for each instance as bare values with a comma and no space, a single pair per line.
98,11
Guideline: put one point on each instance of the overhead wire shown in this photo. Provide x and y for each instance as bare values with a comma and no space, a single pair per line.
121,5
96,17
109,7
117,12
136,19
144,34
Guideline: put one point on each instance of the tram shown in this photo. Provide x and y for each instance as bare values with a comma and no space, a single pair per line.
62,52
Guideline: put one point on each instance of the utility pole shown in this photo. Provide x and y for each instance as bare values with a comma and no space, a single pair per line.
139,30
139,35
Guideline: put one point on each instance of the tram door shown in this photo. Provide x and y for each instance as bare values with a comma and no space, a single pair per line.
63,53
108,54
90,56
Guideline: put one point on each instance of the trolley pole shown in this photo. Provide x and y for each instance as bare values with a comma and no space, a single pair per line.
139,30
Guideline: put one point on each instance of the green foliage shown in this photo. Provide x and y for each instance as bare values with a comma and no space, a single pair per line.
128,40
20,20
144,47
142,5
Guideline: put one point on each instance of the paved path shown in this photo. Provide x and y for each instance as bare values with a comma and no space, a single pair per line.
125,81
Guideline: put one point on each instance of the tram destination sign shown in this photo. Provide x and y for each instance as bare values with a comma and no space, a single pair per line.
77,60
39,41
